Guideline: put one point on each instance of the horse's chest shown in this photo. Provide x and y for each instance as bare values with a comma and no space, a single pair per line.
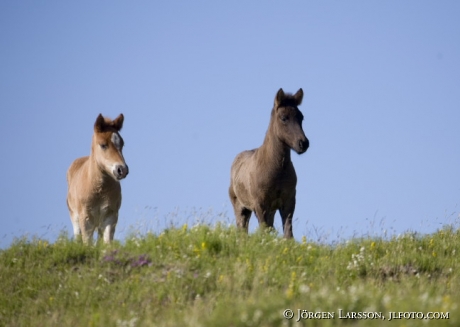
282,192
275,190
98,211
104,204
278,182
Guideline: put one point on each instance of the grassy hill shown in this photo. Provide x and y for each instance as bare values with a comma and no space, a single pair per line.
215,276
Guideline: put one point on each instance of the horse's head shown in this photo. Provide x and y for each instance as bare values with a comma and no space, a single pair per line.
287,120
108,145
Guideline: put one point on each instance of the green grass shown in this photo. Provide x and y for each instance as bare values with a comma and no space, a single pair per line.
216,276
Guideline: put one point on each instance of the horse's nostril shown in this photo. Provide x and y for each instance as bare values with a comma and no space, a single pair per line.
303,144
120,171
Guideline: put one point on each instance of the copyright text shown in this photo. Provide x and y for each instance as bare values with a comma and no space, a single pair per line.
302,314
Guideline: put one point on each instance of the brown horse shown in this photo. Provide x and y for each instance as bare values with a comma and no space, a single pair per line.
263,180
94,194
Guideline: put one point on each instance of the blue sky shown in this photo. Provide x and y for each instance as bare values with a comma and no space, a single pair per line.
196,83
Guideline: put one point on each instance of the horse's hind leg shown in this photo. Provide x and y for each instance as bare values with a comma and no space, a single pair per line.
242,218
287,212
75,225
242,214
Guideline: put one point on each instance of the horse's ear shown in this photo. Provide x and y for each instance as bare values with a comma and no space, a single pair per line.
99,125
279,97
118,122
299,96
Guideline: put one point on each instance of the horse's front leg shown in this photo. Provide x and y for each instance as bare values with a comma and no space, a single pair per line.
271,219
107,228
264,216
287,212
87,227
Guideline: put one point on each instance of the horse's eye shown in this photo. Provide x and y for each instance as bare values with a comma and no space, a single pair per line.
284,118
104,146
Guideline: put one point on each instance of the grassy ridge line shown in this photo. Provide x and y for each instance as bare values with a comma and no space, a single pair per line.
215,276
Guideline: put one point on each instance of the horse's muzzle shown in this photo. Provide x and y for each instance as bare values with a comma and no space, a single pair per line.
120,171
303,146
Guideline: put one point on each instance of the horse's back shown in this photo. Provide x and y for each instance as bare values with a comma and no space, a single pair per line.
240,163
75,168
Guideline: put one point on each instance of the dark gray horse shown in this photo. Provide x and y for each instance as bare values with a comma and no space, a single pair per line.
263,180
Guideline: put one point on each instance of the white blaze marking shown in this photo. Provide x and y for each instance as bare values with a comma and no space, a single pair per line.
116,140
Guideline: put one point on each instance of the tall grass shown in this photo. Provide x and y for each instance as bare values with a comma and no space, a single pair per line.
215,276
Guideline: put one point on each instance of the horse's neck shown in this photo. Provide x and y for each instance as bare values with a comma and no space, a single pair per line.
273,153
99,179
